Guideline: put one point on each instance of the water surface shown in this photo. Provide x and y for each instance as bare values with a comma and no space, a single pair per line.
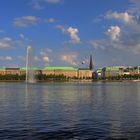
69,111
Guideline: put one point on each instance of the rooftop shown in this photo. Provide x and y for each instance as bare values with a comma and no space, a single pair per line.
59,68
30,68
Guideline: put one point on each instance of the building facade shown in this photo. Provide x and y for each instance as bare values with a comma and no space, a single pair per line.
114,71
69,72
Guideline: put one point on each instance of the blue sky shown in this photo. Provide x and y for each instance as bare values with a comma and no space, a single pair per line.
66,32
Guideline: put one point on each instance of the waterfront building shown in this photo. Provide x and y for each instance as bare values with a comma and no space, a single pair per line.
12,71
98,74
112,71
84,73
55,70
36,70
2,71
132,70
70,72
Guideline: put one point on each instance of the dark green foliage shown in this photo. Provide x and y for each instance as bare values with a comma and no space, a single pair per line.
121,77
51,77
12,77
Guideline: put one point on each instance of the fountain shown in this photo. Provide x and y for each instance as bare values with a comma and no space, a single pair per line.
30,76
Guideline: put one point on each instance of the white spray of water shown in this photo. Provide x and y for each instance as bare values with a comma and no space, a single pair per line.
30,76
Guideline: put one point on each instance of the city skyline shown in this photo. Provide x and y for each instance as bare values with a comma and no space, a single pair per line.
67,32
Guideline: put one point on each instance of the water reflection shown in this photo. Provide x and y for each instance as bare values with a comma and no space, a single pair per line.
69,110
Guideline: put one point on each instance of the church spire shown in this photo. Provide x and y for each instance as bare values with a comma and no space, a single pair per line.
90,63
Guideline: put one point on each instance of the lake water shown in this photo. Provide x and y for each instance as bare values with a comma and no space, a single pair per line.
69,111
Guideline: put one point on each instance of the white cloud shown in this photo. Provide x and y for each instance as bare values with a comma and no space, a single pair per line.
124,17
73,33
45,55
70,58
54,1
46,59
41,4
26,21
50,20
6,58
5,42
114,32
46,51
96,44
62,28
36,4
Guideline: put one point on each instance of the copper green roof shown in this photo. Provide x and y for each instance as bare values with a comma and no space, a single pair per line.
2,68
30,68
59,68
113,68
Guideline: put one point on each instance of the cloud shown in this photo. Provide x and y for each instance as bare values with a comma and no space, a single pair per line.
22,36
53,1
36,58
128,42
45,51
26,21
37,4
134,7
41,4
124,17
70,58
97,44
50,20
73,33
6,58
10,43
114,32
45,55
62,28
46,59
125,37
22,58
114,40
6,42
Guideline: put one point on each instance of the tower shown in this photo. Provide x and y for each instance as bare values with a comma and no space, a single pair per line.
90,63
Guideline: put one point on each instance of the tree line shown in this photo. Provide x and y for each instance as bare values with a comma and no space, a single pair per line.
39,77
121,77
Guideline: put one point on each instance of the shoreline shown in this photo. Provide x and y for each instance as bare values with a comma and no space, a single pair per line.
71,80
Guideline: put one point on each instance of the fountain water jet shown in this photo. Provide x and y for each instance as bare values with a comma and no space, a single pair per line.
30,76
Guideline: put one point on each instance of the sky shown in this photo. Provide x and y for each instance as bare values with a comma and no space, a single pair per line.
67,32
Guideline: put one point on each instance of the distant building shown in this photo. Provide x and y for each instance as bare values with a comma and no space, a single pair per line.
85,73
36,70
13,71
2,71
68,72
98,74
112,71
